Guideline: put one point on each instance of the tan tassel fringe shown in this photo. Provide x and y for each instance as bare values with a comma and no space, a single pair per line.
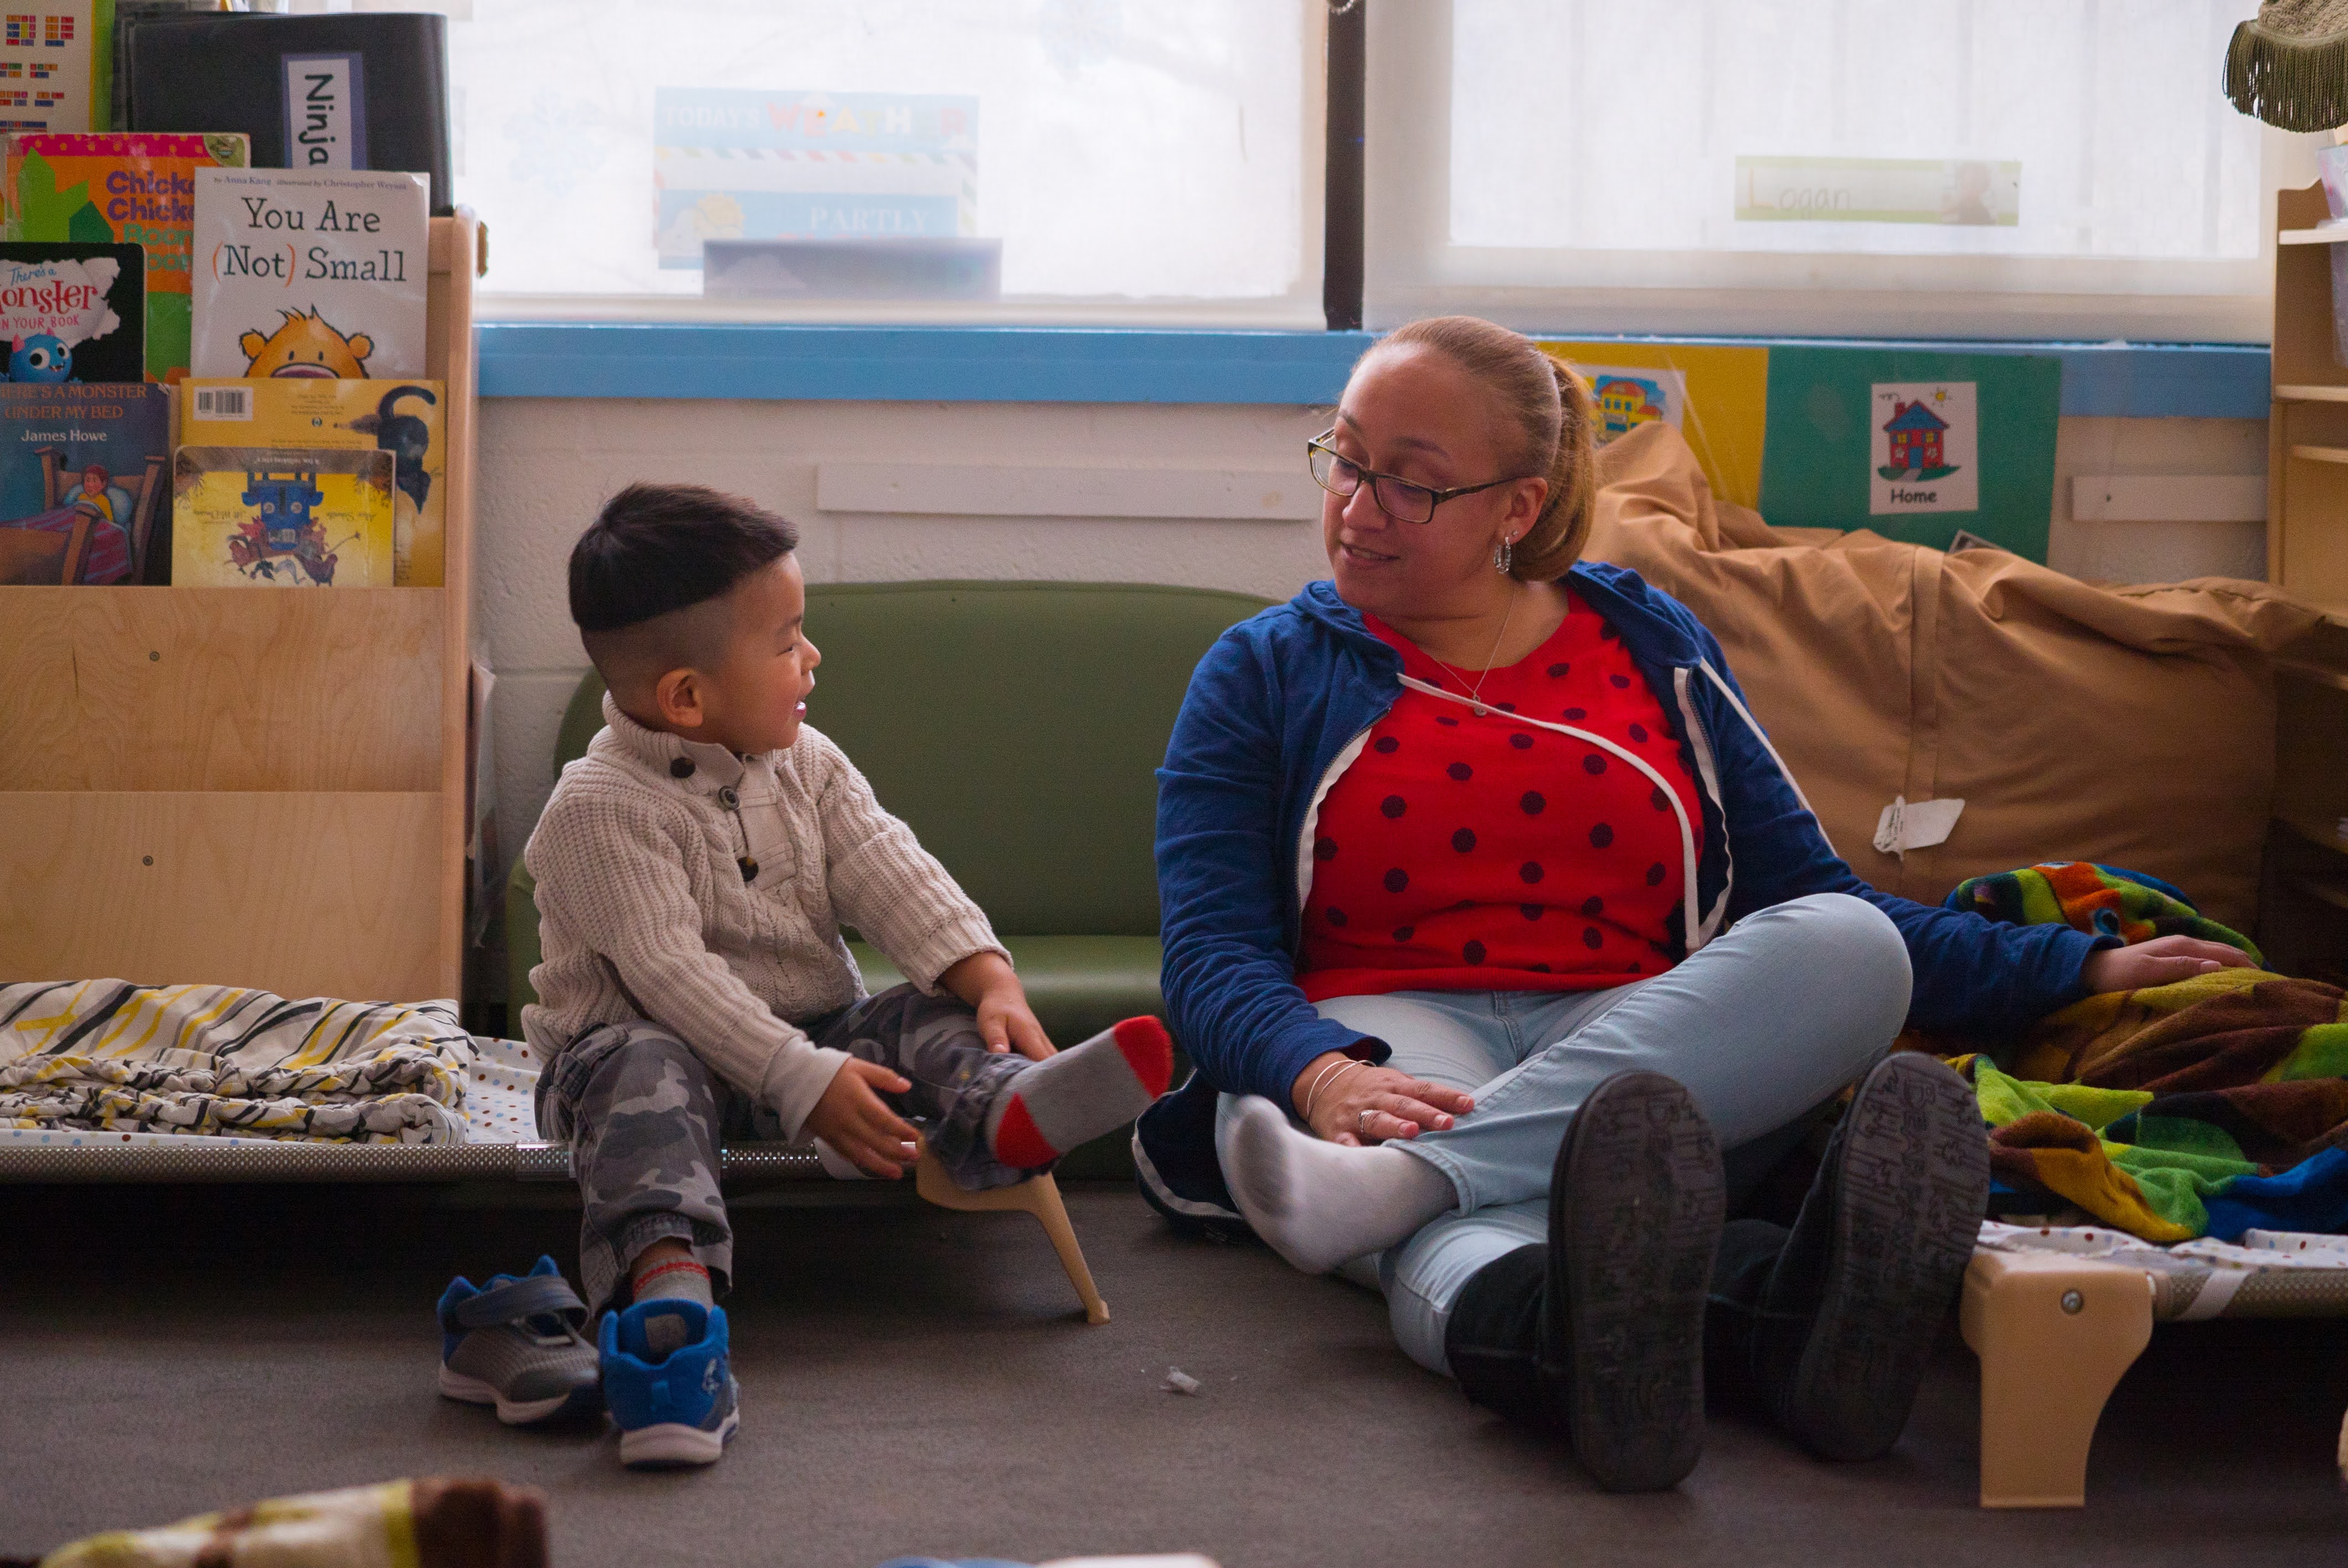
2297,83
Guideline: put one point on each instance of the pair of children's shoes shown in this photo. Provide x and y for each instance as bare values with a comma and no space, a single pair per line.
661,1367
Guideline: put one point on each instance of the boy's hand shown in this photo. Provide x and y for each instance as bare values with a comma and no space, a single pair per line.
858,1123
1006,1020
984,980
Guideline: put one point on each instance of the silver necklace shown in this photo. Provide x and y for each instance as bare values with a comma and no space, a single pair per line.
1478,690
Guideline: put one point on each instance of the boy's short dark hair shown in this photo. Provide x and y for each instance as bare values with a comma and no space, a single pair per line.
657,547
653,553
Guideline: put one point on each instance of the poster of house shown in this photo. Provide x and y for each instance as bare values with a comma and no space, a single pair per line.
1926,447
1623,397
744,164
1978,456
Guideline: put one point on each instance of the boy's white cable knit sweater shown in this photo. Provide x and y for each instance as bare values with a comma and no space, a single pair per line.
644,911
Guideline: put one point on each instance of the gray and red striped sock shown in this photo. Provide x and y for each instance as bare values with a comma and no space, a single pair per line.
1084,1091
678,1279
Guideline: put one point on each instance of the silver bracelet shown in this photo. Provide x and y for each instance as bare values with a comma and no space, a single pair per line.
1312,1093
1312,1096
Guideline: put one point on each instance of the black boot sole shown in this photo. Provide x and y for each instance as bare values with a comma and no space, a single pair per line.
1636,1206
1910,1196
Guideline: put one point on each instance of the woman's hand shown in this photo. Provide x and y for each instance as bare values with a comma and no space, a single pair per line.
2158,962
1361,1104
1005,1022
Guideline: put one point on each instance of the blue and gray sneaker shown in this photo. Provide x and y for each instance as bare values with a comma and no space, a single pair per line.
676,1409
515,1344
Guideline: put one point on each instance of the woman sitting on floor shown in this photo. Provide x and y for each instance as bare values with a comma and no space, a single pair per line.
1491,915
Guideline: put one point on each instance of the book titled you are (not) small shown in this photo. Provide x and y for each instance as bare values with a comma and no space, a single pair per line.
309,274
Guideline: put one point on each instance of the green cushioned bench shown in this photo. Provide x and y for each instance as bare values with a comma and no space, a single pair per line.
1017,726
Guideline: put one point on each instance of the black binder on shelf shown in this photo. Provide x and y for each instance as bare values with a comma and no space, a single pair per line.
349,90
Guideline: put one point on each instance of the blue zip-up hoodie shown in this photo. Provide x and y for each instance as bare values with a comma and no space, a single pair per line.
1271,710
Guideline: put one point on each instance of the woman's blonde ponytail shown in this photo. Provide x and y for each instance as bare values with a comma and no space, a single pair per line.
1554,542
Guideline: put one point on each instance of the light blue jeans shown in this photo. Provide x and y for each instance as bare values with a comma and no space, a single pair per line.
1761,1025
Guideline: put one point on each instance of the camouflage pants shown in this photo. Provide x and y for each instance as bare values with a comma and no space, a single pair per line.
644,1117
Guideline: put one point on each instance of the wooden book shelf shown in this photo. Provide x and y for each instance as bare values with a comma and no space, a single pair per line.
252,786
2303,892
2307,470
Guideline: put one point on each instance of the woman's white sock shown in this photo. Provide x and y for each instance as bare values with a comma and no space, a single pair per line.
1318,1204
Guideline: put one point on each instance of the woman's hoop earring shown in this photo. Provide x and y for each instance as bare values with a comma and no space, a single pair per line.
1503,554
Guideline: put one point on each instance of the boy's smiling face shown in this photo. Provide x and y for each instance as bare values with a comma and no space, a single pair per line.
754,697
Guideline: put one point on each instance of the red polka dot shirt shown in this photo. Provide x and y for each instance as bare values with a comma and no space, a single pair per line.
1459,853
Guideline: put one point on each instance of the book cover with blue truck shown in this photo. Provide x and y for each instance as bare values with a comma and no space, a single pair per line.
251,516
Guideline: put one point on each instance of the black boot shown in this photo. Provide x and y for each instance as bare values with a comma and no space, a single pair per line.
1599,1336
1494,1332
1749,1250
1840,1324
1635,1213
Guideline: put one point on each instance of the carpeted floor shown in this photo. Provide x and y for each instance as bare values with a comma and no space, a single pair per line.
917,1381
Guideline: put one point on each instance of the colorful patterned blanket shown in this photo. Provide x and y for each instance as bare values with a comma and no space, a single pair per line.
110,1056
2203,1108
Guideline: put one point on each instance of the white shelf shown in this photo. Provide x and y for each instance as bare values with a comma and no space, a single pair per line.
2321,453
2325,234
2308,391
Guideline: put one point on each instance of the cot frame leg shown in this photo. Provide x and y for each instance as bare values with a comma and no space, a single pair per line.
2054,1336
1038,1195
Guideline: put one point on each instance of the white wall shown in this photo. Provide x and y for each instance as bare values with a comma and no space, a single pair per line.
2156,552
547,463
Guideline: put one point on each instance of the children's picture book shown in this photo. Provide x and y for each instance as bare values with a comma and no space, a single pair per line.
46,58
274,518
122,188
73,312
89,459
309,274
364,85
405,418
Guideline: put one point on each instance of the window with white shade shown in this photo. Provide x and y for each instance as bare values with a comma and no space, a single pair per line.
1112,158
2006,168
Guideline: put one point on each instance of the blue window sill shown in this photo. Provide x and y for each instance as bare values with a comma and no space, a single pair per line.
1086,365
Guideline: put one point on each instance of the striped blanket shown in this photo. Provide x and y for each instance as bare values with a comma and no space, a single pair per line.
2208,1107
110,1056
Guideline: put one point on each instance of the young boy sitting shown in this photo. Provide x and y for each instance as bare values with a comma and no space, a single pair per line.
694,871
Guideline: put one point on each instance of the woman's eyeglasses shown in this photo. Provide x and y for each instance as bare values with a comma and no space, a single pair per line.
1397,498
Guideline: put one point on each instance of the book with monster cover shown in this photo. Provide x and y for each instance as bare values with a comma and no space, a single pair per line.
84,465
405,418
122,188
279,517
303,273
73,312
